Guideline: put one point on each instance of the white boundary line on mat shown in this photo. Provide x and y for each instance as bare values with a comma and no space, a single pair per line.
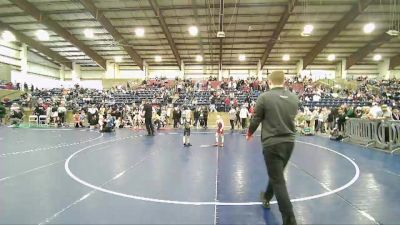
216,203
51,147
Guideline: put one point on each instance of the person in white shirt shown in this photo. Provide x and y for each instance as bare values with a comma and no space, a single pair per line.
232,117
316,98
376,111
62,111
244,114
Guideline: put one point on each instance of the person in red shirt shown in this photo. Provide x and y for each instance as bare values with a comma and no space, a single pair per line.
227,103
235,103
251,111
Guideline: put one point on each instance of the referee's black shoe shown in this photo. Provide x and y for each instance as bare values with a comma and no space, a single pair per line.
265,202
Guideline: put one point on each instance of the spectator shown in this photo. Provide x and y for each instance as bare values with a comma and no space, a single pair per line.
77,120
232,117
227,103
16,115
82,117
376,111
205,117
341,120
386,113
396,114
244,114
331,120
148,113
62,111
2,113
196,116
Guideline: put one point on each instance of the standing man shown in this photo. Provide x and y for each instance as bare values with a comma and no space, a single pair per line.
276,110
148,113
2,112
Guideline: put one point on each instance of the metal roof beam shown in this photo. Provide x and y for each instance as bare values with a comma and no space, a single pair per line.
364,51
275,36
30,9
165,29
350,16
99,16
38,46
394,62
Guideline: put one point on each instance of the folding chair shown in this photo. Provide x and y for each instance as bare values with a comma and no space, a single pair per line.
33,120
42,120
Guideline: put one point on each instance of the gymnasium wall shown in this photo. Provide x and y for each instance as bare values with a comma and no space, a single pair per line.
10,63
40,70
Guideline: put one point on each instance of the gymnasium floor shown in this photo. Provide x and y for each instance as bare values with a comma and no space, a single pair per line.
83,177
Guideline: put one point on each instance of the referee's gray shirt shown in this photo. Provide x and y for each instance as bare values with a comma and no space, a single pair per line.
276,110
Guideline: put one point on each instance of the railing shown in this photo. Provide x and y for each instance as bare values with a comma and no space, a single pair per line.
375,133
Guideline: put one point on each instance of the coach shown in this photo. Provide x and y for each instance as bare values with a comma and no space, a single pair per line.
276,110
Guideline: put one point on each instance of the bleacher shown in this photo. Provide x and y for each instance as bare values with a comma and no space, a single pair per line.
331,102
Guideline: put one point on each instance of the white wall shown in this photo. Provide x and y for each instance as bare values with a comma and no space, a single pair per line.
39,66
362,70
9,53
36,80
169,72
49,82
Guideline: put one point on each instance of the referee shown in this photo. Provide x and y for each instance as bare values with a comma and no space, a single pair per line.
148,114
276,110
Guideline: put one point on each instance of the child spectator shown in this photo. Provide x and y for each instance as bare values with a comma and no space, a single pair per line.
77,120
82,117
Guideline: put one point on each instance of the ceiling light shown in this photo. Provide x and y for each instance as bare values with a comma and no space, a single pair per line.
377,57
393,32
88,33
8,36
42,35
331,57
286,57
199,58
158,58
139,32
368,28
117,58
242,57
308,29
193,30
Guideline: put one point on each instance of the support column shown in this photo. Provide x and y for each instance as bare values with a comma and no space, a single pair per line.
62,73
182,71
259,71
341,71
146,70
76,72
220,74
383,69
24,59
299,67
112,70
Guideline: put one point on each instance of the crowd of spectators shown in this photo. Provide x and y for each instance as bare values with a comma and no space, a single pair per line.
323,107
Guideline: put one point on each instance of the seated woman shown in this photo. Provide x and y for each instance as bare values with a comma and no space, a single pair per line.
16,116
120,123
108,124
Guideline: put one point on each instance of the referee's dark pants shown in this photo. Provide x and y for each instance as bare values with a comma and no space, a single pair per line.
149,126
276,158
